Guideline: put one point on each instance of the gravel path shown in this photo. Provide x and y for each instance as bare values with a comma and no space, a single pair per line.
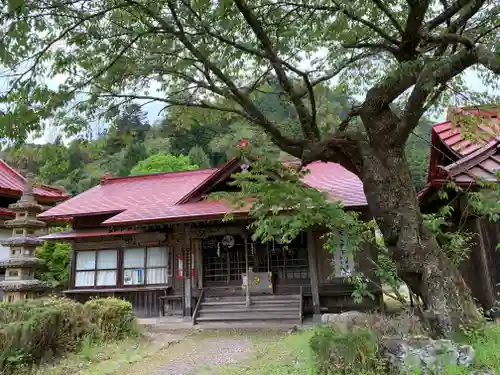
215,351
199,354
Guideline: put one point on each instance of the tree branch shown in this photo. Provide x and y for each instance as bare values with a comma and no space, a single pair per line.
307,119
354,112
350,15
337,70
380,4
447,38
253,114
473,8
39,55
431,76
488,59
411,34
373,46
446,15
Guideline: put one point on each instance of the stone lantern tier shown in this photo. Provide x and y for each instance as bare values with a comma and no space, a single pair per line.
24,262
22,251
22,241
23,286
26,206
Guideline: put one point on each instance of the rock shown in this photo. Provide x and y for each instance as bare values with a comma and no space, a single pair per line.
345,321
430,356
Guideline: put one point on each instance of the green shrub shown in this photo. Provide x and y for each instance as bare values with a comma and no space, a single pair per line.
354,352
113,317
31,329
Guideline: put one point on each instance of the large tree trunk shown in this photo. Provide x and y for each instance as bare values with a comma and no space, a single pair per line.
421,262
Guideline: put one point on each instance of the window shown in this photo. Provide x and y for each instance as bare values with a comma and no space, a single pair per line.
343,263
145,266
96,268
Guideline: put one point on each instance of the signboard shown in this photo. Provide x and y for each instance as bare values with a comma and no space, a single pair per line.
180,266
259,281
133,277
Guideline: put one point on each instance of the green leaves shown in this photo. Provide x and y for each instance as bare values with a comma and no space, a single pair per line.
163,163
282,207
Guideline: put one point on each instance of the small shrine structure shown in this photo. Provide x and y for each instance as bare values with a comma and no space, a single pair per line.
20,282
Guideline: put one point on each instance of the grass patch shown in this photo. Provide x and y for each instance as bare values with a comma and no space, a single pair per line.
275,354
99,359
486,344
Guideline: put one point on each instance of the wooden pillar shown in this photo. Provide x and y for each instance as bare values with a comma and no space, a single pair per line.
198,261
485,274
248,299
187,257
313,271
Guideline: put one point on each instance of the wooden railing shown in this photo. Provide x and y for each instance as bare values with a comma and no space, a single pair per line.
301,292
197,307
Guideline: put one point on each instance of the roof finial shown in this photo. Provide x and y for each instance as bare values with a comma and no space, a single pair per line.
106,177
28,189
243,143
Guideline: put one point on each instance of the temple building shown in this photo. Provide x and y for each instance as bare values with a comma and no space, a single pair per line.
157,241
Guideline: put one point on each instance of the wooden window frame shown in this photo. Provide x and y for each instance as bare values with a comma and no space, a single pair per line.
96,270
145,284
120,269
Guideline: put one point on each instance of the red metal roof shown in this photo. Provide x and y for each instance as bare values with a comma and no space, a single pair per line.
125,193
337,182
13,182
159,197
463,161
451,135
482,164
81,233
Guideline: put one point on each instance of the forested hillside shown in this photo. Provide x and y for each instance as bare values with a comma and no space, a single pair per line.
183,139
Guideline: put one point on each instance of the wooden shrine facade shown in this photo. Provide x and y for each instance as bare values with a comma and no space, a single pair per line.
150,269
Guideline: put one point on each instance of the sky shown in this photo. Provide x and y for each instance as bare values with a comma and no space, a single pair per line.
153,109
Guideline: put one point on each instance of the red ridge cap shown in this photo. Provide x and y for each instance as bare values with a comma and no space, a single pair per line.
217,172
156,175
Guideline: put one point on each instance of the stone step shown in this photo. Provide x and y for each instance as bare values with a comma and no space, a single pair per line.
251,309
262,297
263,317
276,304
254,305
272,326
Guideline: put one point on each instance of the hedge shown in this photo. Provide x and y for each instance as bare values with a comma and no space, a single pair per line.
31,329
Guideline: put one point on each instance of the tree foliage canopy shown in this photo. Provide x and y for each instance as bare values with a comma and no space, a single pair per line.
163,163
219,55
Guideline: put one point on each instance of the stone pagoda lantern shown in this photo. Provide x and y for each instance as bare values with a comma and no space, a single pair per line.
20,282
